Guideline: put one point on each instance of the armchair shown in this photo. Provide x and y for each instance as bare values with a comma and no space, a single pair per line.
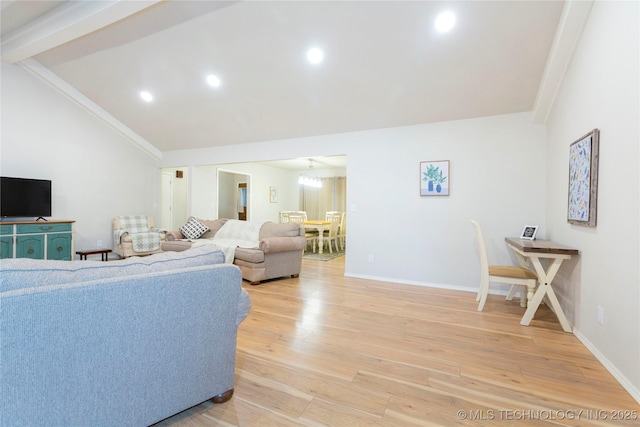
135,235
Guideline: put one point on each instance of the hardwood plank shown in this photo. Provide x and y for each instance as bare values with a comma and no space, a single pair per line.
324,349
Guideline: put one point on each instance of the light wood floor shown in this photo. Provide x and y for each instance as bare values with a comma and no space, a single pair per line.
324,349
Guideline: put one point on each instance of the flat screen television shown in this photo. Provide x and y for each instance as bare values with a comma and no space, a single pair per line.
24,197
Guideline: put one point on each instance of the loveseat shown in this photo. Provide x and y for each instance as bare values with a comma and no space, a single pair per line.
276,253
122,343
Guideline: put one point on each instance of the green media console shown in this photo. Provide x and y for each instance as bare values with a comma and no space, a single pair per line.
37,240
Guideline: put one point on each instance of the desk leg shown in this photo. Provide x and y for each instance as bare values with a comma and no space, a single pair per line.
523,261
534,304
558,310
545,288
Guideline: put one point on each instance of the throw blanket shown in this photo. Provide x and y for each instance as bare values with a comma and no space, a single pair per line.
145,242
144,239
237,234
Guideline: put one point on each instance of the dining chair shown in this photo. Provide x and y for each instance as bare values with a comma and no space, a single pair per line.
331,235
340,217
342,231
520,278
310,235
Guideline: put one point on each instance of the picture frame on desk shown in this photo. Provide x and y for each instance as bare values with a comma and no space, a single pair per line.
529,232
583,180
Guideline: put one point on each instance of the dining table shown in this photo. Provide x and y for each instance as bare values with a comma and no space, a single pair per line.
319,226
554,254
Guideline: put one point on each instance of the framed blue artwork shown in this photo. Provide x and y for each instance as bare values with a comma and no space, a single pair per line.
583,180
434,178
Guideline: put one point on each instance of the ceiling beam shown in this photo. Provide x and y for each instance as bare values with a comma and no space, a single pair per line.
572,21
72,20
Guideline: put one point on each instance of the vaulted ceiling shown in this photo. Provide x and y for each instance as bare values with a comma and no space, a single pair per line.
384,63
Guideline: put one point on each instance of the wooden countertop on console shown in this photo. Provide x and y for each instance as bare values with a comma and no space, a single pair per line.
541,246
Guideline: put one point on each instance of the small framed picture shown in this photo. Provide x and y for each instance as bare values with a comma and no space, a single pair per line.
529,232
273,194
434,178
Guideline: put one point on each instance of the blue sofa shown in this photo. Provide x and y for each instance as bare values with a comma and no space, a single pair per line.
123,343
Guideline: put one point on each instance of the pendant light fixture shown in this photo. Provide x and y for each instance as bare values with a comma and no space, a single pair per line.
308,180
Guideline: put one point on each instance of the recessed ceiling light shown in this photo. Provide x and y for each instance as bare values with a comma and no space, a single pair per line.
445,21
315,55
213,81
146,96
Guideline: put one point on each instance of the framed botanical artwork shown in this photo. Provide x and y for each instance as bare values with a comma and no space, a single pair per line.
434,178
273,194
583,179
529,232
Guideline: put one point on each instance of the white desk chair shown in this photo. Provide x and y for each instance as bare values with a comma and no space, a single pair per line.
518,277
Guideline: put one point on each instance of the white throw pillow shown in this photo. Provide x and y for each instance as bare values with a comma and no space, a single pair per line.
193,229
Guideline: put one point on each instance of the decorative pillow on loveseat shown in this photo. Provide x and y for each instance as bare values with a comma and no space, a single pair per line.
193,229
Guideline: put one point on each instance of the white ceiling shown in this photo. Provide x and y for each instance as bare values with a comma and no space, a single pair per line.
385,65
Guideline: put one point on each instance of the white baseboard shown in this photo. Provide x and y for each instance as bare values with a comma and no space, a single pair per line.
495,290
624,381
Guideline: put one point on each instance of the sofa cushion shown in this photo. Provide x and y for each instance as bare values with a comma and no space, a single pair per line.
214,225
193,229
249,255
25,273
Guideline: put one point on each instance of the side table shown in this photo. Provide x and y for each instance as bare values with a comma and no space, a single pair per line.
104,253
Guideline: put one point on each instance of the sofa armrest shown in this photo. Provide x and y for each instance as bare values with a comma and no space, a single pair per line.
173,235
282,244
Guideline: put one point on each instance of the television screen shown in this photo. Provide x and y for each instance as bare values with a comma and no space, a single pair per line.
22,197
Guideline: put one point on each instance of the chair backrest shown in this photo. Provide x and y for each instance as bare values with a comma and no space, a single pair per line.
134,223
482,249
298,217
335,218
331,214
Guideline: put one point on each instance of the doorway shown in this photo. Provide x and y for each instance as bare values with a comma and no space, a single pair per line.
242,201
234,195
166,202
173,203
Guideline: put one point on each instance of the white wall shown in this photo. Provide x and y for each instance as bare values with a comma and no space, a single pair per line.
497,177
601,90
96,174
